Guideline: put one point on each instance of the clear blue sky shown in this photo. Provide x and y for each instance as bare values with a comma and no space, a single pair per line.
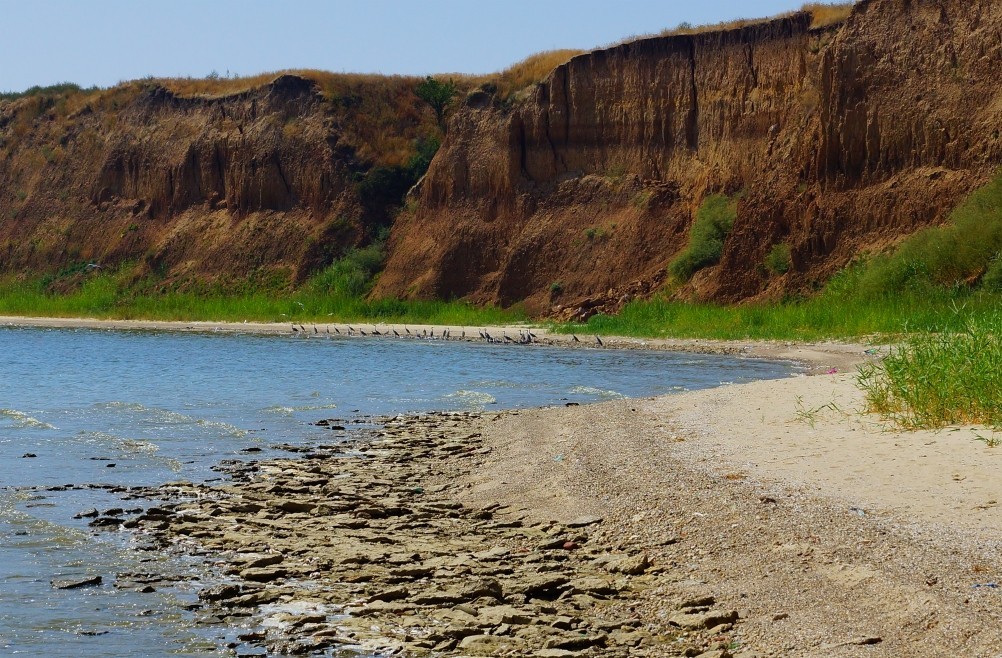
102,42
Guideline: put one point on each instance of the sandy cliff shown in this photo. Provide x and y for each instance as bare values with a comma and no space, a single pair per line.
196,187
838,140
571,196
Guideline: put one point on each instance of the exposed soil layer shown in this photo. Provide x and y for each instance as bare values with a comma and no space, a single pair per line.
259,186
839,140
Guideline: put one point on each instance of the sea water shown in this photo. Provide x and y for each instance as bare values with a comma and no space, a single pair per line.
84,410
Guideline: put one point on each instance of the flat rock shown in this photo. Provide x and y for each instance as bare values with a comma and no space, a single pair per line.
631,566
76,583
292,506
263,574
584,521
487,645
219,592
700,620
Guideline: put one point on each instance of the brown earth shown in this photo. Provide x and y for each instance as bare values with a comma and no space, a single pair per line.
259,182
840,140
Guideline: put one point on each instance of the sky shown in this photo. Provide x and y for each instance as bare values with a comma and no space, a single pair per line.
104,42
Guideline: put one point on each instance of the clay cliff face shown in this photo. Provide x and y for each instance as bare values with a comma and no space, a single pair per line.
197,189
838,140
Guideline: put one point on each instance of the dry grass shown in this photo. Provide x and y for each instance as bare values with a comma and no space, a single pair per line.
530,70
822,15
825,14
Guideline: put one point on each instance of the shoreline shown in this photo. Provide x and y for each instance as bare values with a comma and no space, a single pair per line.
735,521
815,356
773,518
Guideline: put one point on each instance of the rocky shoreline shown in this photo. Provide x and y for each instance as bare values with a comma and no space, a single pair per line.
363,545
715,523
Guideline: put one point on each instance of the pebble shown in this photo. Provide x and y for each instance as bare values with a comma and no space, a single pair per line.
386,561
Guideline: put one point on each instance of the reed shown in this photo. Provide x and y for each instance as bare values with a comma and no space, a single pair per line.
953,376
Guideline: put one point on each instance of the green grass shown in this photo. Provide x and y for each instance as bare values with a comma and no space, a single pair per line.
779,259
814,319
336,294
937,379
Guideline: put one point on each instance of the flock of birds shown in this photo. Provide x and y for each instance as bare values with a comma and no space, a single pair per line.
525,337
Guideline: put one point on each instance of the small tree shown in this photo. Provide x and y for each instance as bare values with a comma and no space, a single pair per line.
438,95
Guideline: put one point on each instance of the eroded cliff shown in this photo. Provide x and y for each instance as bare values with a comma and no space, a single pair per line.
838,140
192,188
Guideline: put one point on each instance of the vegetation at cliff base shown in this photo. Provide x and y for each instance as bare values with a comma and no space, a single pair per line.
338,293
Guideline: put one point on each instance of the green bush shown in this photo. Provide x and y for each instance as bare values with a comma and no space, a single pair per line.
778,260
350,276
386,186
953,255
714,220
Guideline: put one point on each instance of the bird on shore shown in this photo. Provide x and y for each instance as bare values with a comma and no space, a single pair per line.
599,341
294,330
375,332
302,328
336,330
407,330
328,328
575,338
315,330
396,333
464,334
362,331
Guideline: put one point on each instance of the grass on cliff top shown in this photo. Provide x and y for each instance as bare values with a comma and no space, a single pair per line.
822,14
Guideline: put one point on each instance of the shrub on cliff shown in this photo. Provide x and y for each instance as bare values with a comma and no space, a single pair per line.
958,254
778,260
714,220
438,95
351,276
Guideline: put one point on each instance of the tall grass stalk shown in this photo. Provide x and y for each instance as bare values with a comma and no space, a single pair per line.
938,379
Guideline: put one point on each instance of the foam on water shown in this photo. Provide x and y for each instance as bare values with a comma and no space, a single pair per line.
21,420
472,399
597,392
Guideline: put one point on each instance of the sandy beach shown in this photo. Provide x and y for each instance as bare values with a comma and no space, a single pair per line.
775,518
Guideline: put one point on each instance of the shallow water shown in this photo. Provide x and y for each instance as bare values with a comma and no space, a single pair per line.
117,408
